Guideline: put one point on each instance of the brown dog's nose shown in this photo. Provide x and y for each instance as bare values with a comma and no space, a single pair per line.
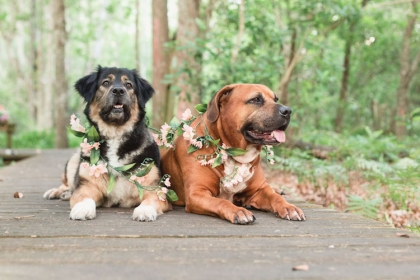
285,111
118,91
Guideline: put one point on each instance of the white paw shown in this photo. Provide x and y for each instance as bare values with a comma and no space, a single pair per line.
52,193
145,213
84,210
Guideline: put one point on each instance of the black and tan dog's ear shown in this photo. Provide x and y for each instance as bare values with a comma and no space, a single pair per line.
144,90
213,109
88,85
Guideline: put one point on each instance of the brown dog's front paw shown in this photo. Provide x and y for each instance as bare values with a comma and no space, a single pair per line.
291,212
242,217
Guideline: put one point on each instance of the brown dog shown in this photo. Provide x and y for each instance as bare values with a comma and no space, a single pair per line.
242,116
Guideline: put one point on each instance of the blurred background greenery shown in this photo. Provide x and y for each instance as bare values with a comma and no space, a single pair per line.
348,69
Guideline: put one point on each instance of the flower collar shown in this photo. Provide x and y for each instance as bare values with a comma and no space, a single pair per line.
222,153
97,165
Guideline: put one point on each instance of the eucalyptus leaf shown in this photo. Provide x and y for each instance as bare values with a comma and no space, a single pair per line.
218,161
171,195
93,135
201,108
111,184
174,123
235,152
125,167
94,156
139,189
145,170
192,149
75,133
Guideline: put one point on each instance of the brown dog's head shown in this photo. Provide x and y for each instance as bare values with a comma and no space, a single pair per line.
114,95
250,112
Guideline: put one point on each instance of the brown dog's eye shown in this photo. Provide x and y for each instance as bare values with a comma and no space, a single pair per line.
256,100
105,83
128,85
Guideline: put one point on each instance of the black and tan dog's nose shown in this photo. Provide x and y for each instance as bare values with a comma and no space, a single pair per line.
285,111
118,91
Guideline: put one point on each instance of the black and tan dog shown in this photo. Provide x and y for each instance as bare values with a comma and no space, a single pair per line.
242,116
116,99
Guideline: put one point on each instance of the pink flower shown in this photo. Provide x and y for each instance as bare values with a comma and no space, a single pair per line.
271,161
164,190
157,140
188,132
196,143
167,183
98,170
186,115
75,124
140,180
84,165
96,145
203,162
161,195
86,147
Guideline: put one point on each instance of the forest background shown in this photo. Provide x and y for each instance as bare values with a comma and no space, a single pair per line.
349,70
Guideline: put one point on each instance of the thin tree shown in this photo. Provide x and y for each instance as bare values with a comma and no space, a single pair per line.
346,73
188,62
61,86
160,62
408,68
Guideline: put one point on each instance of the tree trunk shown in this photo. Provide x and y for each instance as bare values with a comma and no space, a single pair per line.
407,72
188,63
61,87
344,80
342,102
33,60
137,40
160,62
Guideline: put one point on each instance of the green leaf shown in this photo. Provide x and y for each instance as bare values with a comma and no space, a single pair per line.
192,149
145,170
125,167
75,133
200,23
111,182
94,156
235,152
174,123
218,161
139,189
93,135
214,142
201,108
171,195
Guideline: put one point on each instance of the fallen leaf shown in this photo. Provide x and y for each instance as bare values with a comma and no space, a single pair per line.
302,267
18,195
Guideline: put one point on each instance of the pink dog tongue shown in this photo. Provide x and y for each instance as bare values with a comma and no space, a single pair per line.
279,135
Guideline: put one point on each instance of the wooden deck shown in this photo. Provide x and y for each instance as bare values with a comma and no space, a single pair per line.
39,241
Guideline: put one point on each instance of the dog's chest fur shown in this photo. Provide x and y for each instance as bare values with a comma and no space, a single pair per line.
234,163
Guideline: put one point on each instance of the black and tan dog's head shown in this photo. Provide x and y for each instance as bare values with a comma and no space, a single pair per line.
114,96
251,112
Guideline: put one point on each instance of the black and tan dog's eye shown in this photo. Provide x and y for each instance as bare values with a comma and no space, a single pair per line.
128,85
105,83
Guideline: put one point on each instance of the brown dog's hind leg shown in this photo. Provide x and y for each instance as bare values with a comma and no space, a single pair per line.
203,203
268,200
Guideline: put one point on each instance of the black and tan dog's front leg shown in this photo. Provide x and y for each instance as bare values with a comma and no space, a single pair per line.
84,200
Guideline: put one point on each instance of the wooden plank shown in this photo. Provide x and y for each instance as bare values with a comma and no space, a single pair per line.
39,241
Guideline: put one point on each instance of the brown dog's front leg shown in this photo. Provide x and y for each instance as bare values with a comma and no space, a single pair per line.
202,202
268,200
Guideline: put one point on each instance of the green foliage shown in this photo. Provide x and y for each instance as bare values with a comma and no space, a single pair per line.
367,208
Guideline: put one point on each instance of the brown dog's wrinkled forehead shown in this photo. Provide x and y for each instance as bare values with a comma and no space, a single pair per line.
116,74
248,89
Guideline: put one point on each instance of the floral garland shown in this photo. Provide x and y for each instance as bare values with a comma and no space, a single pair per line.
90,145
166,136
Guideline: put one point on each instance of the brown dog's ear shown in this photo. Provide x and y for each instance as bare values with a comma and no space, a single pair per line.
213,109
